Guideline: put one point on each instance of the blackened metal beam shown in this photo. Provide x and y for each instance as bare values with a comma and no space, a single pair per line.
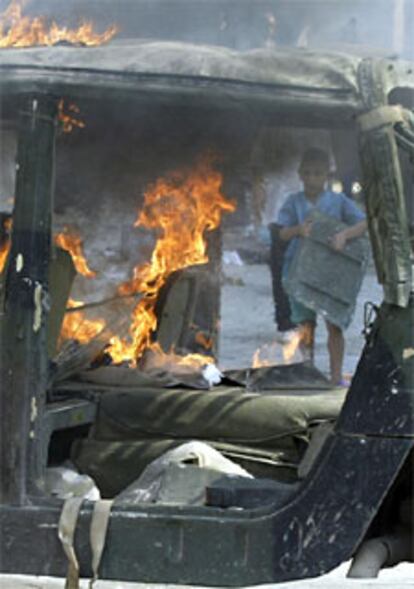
24,359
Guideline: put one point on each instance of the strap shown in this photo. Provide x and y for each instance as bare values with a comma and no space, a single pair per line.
381,117
66,532
99,526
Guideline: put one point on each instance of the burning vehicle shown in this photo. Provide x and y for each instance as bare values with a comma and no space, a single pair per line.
127,160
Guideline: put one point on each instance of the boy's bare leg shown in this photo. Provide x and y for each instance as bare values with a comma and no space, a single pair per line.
336,349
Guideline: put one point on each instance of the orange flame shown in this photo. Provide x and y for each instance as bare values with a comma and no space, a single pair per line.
298,348
17,30
4,252
182,207
158,359
301,340
5,243
76,327
289,348
203,339
67,119
266,355
257,361
71,241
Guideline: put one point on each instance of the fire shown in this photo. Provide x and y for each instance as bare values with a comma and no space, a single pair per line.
290,348
267,355
67,119
4,252
181,207
258,361
156,358
5,243
304,338
298,348
71,241
17,30
144,323
205,341
75,326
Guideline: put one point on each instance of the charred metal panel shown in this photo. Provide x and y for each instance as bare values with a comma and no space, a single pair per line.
381,399
24,366
384,188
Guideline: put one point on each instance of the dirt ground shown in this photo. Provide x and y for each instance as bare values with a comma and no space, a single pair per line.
399,577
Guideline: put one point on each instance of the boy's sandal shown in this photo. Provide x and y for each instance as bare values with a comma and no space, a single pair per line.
344,383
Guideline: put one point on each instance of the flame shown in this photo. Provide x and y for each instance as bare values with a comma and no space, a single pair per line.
75,326
155,358
290,348
181,207
297,348
257,361
71,241
301,339
266,355
4,252
205,341
68,121
17,30
5,243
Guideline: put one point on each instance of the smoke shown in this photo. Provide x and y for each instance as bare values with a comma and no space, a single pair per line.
360,25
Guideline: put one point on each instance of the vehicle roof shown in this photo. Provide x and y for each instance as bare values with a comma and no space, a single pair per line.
294,67
291,78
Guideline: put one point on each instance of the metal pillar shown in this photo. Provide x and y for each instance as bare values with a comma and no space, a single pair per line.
24,361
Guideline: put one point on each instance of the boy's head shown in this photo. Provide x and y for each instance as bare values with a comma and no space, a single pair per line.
314,170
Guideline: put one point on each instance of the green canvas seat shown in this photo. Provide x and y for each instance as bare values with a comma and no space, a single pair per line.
265,433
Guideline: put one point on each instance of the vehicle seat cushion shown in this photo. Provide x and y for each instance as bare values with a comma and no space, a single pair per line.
225,414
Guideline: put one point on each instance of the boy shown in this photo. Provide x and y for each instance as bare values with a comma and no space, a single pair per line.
295,222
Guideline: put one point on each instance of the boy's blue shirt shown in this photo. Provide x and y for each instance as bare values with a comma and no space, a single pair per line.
297,207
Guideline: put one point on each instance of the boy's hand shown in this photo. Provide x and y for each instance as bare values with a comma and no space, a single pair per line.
305,228
338,241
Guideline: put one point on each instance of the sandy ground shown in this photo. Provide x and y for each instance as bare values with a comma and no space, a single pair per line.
400,577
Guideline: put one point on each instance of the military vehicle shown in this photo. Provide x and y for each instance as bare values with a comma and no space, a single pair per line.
353,497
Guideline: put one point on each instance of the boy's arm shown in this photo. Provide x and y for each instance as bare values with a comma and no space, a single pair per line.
339,240
288,219
303,230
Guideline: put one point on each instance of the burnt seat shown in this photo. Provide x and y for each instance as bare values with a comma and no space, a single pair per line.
266,434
